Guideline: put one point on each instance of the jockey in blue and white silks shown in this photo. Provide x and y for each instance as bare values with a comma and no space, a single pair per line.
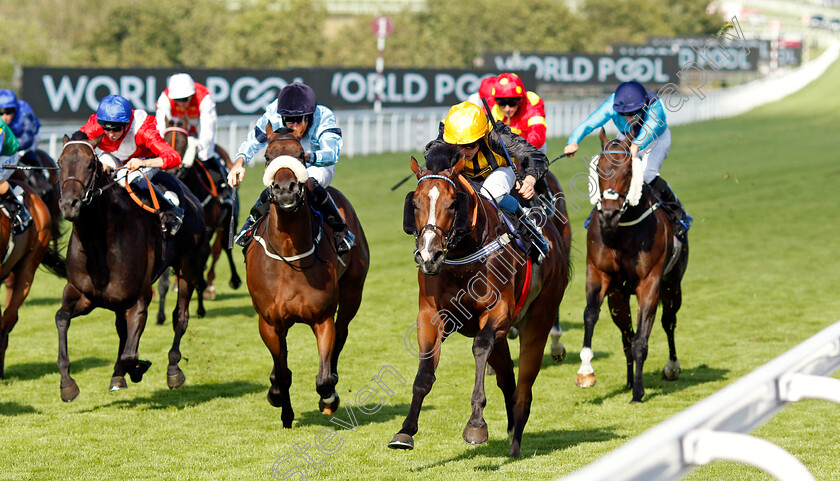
321,142
21,119
634,107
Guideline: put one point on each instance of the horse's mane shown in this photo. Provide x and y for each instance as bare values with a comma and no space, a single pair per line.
442,156
79,135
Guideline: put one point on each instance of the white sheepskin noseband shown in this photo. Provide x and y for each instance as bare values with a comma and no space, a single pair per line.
285,162
634,193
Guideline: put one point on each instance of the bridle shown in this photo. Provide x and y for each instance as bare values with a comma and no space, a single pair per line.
298,197
610,194
446,235
89,191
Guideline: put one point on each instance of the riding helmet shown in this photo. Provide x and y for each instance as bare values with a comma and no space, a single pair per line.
630,97
509,85
485,89
114,108
464,124
181,86
296,99
8,99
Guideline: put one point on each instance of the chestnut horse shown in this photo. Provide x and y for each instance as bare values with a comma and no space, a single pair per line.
294,275
116,252
220,218
21,254
630,249
45,183
463,248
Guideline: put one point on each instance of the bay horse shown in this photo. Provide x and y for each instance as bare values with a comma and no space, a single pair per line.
294,275
115,253
220,218
630,249
45,183
473,280
21,254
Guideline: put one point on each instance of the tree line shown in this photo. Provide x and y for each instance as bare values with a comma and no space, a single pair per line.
276,34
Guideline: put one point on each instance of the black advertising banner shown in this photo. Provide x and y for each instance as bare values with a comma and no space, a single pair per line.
588,69
740,55
74,93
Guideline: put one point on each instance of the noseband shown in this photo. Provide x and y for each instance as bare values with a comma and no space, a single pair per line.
90,192
610,194
446,235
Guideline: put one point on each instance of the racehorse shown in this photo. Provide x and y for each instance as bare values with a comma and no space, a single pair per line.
45,183
21,254
115,253
220,218
631,249
463,248
294,275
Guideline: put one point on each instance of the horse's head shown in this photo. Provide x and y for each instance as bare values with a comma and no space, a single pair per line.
177,135
78,169
437,214
616,183
285,168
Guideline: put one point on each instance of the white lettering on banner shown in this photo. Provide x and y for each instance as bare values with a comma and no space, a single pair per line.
219,88
259,95
355,87
352,86
729,58
151,94
65,90
582,69
415,88
444,85
131,87
96,82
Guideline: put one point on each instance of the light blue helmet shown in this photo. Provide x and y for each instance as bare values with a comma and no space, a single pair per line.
114,108
8,99
630,97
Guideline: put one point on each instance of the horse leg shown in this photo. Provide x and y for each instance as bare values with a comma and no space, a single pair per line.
429,339
135,323
619,303
180,318
349,300
216,250
558,350
671,302
596,288
230,225
647,292
476,430
163,288
502,363
326,379
73,303
281,376
118,377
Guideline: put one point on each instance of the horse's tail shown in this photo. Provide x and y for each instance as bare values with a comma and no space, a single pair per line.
54,262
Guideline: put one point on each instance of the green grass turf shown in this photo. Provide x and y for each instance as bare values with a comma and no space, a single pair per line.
762,277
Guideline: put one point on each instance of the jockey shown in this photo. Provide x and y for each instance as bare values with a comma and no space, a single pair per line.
130,139
466,125
9,156
523,112
633,106
20,117
485,91
295,105
183,98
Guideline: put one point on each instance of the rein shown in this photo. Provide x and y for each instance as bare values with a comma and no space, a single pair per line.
210,186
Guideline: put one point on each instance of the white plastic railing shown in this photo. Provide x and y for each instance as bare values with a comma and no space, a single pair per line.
408,130
714,428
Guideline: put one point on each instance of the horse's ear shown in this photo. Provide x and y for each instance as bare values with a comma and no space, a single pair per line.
630,136
603,136
409,224
268,130
65,139
95,141
459,166
415,167
462,214
299,130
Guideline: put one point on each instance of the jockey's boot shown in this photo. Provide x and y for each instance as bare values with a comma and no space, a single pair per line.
533,234
680,219
258,211
170,213
324,204
20,214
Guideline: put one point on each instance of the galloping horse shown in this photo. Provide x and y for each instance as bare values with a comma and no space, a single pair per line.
21,254
116,252
631,249
462,248
45,185
294,275
220,218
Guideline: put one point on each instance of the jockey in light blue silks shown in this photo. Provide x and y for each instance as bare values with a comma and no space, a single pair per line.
295,105
633,106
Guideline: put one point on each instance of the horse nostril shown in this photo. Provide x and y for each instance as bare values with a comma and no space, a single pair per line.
292,187
437,256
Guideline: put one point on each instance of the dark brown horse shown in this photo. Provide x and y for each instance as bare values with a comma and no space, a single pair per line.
294,275
21,255
219,217
116,252
473,280
45,183
631,249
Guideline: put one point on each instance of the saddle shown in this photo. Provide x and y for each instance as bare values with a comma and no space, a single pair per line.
12,205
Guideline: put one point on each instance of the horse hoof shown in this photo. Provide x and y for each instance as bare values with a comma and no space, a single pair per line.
475,435
70,392
558,352
136,374
161,318
513,333
235,283
329,406
117,383
200,311
210,293
490,370
585,380
175,381
401,441
671,371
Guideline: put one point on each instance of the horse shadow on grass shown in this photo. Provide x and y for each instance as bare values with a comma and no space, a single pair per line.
537,443
385,414
35,370
14,409
187,396
656,386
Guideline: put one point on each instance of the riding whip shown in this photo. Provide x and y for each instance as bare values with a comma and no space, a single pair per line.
501,141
